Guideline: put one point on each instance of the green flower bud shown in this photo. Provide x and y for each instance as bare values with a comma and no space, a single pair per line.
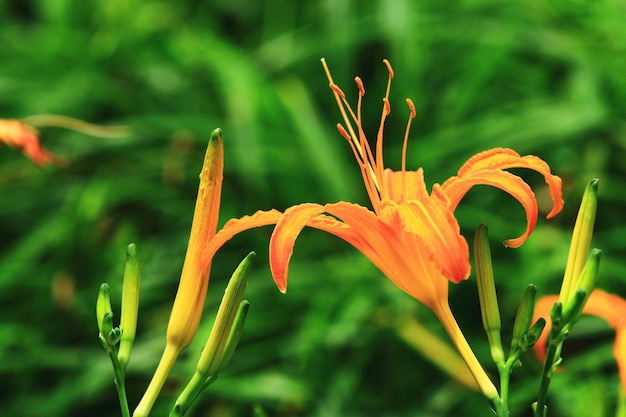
529,339
130,304
213,353
581,240
487,293
103,306
223,338
524,317
235,334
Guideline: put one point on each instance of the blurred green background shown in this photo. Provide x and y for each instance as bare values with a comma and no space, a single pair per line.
543,77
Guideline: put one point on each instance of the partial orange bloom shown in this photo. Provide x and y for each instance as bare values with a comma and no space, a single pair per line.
21,136
609,307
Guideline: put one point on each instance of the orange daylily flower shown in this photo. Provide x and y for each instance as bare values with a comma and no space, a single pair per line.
22,136
410,235
609,307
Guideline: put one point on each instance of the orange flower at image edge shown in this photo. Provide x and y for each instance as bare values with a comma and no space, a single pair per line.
410,235
609,307
21,136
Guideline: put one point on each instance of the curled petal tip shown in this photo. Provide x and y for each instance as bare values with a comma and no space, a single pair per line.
281,284
510,243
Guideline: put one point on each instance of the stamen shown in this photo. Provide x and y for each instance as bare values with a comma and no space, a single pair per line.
409,102
337,90
405,144
343,132
359,84
358,143
387,108
388,67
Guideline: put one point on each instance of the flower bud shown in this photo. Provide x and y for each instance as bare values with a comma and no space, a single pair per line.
581,240
487,293
524,317
130,304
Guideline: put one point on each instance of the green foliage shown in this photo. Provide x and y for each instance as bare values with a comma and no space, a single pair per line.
545,78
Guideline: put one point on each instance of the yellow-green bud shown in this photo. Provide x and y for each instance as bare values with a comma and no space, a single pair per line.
130,304
524,317
581,240
213,353
235,334
586,284
487,293
103,306
224,337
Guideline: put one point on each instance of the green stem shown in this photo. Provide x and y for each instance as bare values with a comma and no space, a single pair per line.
621,405
119,379
505,376
189,394
197,383
555,344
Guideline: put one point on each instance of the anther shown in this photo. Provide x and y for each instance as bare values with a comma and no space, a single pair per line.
359,84
411,107
337,90
388,67
387,106
343,132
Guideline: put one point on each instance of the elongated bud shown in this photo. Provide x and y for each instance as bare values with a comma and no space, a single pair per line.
524,317
487,293
213,353
194,279
130,304
581,240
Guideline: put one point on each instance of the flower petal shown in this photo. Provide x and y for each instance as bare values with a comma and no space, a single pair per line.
236,226
400,255
610,307
405,185
358,226
619,351
503,158
456,187
284,237
434,222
